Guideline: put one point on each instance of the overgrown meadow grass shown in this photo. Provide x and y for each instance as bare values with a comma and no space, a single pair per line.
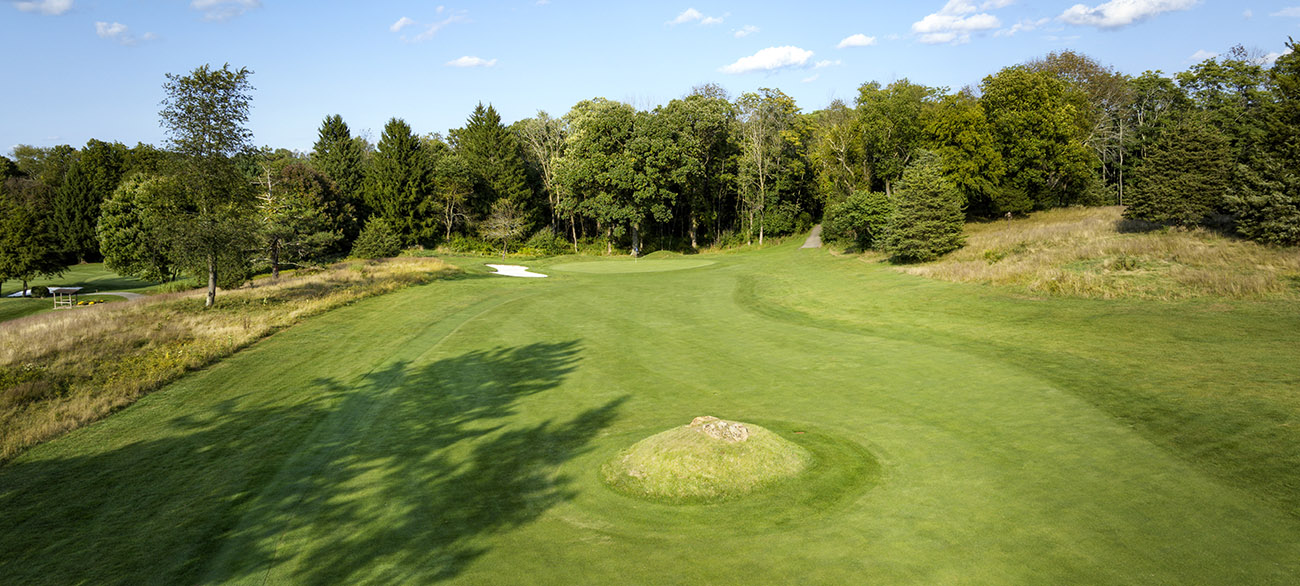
62,370
1095,253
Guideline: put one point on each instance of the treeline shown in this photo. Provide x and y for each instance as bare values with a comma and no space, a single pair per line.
899,169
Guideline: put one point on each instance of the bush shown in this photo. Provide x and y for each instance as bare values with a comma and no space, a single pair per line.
927,221
545,243
377,240
861,219
40,291
468,245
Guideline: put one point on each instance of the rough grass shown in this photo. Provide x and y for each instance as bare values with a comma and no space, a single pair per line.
62,370
684,465
1094,252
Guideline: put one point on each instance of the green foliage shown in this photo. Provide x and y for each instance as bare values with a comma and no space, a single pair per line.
399,184
773,157
546,243
341,158
494,159
29,245
927,219
597,168
893,122
129,228
377,240
862,219
299,217
39,291
959,132
208,222
1184,177
1040,131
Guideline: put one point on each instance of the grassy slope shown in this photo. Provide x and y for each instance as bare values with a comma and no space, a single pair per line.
456,431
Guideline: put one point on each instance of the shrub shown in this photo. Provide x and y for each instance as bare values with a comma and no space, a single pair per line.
861,219
545,243
40,291
377,240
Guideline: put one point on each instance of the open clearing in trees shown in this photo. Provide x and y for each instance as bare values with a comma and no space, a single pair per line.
456,431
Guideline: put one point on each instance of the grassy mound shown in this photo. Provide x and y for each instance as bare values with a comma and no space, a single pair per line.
686,464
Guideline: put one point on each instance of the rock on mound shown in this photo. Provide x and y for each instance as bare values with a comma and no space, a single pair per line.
709,459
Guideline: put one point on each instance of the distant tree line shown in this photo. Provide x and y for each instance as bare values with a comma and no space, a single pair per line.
900,169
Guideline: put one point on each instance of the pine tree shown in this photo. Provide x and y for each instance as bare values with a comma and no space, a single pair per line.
1184,178
400,182
28,245
76,210
493,154
927,220
339,156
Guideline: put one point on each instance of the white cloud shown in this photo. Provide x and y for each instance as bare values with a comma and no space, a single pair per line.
468,61
827,63
745,31
429,29
401,23
1202,55
688,15
1289,12
1248,14
53,7
120,33
955,22
224,9
996,4
811,78
543,2
770,59
693,15
1119,13
1022,26
858,40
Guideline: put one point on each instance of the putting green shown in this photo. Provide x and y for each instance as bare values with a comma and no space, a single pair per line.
456,432
610,267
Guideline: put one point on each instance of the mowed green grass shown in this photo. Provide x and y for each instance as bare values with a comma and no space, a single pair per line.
93,277
455,432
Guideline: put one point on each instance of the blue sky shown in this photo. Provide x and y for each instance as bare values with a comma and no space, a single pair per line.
81,69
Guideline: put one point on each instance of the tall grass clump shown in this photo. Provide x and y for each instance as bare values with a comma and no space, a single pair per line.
1095,252
63,370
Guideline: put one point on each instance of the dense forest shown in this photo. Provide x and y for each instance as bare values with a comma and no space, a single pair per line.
899,169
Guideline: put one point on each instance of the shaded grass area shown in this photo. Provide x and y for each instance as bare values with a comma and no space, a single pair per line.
454,432
1095,252
63,370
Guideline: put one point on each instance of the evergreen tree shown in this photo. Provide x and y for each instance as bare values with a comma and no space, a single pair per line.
1184,178
927,220
340,157
76,210
493,155
377,240
28,244
399,184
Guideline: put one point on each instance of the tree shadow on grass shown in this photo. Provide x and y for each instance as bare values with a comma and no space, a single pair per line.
404,475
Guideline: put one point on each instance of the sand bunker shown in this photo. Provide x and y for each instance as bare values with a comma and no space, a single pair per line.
514,271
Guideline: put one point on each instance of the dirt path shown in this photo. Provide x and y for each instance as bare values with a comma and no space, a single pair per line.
814,238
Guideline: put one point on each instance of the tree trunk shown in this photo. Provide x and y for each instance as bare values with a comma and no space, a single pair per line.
573,228
761,223
275,260
609,241
212,281
27,292
636,241
694,229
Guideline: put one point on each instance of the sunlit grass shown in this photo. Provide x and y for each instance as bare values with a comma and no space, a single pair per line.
1085,252
62,370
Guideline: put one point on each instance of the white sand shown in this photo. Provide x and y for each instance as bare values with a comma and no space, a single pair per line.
514,271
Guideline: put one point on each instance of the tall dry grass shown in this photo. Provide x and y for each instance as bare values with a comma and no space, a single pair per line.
63,370
1094,252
